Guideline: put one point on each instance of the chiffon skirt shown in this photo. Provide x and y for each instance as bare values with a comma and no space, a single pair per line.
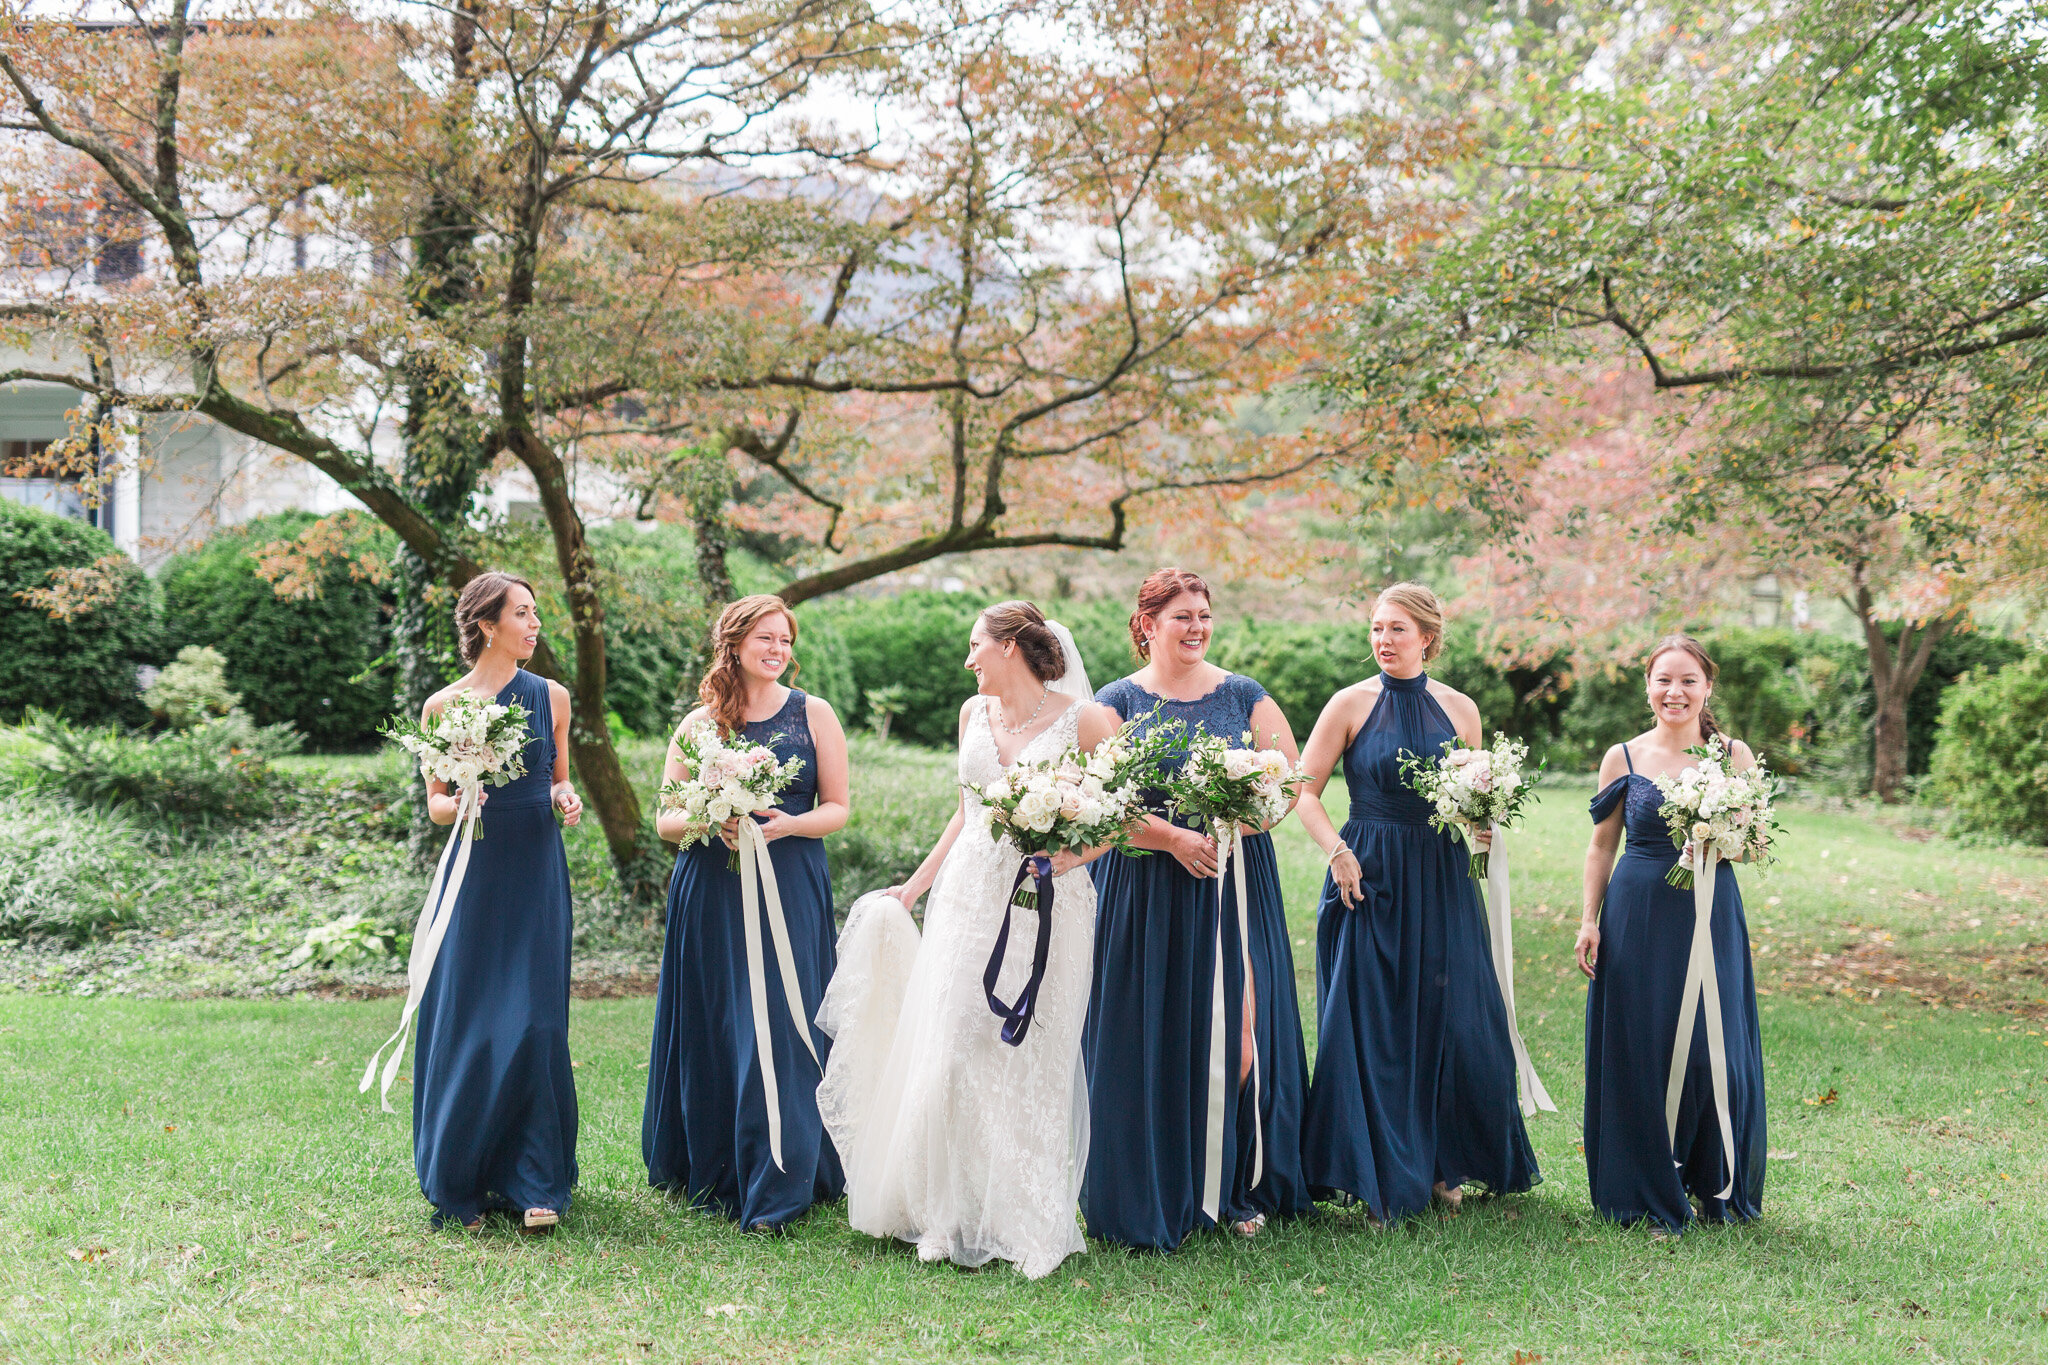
704,1133
494,1099
1415,1072
1635,1169
1147,1050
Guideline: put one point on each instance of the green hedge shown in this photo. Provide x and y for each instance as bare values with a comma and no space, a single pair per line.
83,669
1953,656
312,663
1991,762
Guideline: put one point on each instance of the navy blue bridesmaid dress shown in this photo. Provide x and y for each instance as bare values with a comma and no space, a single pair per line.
704,1134
1635,1169
493,1097
1415,1072
1146,1044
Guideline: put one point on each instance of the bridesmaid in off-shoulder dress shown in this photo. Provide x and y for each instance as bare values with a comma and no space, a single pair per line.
1635,939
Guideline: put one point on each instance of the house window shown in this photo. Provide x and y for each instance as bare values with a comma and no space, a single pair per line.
29,479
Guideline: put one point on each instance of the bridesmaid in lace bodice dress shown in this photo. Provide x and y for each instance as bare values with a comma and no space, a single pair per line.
1414,1089
1634,942
705,1133
1149,1021
494,1100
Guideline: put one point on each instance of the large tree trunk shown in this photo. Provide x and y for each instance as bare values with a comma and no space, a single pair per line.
446,453
636,850
706,486
1894,670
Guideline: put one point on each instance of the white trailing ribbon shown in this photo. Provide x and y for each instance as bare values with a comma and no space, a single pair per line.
1702,985
757,874
427,934
1220,1089
1500,917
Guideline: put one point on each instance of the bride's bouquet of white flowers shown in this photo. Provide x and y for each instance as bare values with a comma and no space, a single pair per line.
473,741
1222,788
728,777
1472,789
1711,806
1073,800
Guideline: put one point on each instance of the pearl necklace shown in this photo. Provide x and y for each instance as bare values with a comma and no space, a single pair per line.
1008,729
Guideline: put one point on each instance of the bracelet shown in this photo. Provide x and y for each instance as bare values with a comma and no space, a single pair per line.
1331,856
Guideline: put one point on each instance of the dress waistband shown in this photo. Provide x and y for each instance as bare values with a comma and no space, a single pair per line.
1359,817
503,799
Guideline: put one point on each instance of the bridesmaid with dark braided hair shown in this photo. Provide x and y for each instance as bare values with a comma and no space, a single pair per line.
1635,941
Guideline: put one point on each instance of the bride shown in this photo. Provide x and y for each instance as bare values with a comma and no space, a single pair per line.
953,1139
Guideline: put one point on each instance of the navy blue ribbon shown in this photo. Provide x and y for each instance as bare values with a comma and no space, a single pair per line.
1017,1018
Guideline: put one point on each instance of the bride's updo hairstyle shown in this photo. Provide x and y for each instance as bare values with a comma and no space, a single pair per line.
482,602
1023,624
724,689
1423,607
1685,644
1154,596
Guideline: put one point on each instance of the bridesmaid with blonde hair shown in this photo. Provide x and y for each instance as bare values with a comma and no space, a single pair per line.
708,1133
1414,1087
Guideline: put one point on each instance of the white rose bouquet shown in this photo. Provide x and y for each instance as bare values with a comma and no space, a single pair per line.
1223,788
1073,800
473,741
729,777
1472,789
1711,805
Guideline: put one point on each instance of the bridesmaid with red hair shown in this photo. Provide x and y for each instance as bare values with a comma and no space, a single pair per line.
1158,1166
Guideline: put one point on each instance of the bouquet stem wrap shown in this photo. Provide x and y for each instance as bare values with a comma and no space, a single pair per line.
428,933
1231,843
1702,985
757,874
1500,917
1017,1017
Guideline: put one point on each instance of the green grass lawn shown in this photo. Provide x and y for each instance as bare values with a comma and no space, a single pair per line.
200,1180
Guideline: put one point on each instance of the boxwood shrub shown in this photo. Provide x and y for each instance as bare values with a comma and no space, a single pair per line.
83,669
315,663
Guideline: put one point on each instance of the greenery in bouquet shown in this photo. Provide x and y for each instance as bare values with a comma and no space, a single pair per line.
1221,787
1470,789
472,742
1711,805
1073,800
729,777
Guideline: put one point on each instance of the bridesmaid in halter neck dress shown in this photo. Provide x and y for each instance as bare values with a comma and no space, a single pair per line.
1635,939
494,1100
1414,1088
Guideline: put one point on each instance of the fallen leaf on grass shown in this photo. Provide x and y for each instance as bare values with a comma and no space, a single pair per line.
87,1255
1823,1101
727,1310
1322,1289
170,1128
1080,1284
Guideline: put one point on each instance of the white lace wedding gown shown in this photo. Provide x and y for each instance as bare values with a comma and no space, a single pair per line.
952,1139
